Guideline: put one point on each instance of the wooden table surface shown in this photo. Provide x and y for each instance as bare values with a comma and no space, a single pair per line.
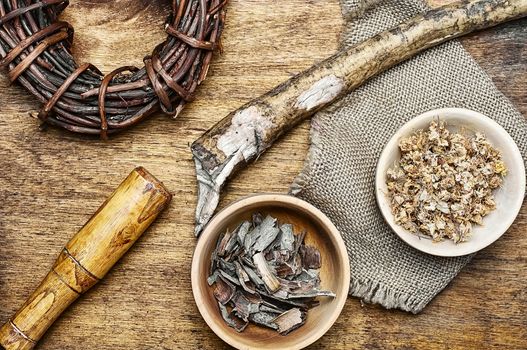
52,182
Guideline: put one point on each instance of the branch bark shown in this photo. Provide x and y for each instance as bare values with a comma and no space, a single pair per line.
249,131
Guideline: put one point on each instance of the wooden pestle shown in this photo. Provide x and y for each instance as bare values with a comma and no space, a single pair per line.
88,256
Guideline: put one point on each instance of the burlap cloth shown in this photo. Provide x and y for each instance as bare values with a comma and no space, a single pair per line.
347,140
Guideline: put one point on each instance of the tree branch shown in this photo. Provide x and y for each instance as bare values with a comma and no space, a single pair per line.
249,131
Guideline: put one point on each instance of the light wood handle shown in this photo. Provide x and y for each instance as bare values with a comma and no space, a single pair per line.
88,256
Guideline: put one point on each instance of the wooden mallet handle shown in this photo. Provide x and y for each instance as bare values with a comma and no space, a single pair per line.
88,256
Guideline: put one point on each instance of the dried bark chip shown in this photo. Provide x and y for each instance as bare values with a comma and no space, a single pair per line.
240,324
264,318
268,277
214,257
307,275
243,306
272,309
223,290
213,263
288,285
233,321
267,236
299,240
281,294
230,278
310,257
225,314
281,256
254,276
251,237
254,298
290,320
227,266
244,279
261,236
284,270
213,278
313,294
242,232
300,287
224,243
288,238
257,219
240,271
268,255
247,262
232,243
248,287
296,264
285,303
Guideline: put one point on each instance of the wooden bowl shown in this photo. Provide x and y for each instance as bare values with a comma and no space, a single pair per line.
334,274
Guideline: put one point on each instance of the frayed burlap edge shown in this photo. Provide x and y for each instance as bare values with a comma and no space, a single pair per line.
367,290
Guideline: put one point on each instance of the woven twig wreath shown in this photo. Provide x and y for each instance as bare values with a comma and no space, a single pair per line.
35,50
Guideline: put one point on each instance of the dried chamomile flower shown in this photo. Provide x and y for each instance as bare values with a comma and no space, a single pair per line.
444,182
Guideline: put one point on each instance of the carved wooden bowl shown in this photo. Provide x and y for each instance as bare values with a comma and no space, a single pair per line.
334,274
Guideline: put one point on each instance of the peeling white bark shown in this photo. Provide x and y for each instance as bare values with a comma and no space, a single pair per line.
239,143
247,127
209,187
323,91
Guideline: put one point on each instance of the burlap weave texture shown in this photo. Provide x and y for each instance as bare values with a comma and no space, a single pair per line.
348,137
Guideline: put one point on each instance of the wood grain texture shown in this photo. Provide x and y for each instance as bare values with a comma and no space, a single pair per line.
52,182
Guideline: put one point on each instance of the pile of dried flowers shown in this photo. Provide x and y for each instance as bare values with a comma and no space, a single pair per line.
444,182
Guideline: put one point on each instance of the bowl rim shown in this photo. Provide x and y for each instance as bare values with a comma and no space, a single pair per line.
476,118
295,204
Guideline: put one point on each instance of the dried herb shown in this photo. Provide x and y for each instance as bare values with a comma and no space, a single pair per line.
265,274
444,182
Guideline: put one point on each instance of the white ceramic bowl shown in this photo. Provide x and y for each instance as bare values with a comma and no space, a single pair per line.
509,197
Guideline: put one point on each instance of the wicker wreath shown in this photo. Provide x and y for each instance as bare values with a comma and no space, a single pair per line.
35,50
